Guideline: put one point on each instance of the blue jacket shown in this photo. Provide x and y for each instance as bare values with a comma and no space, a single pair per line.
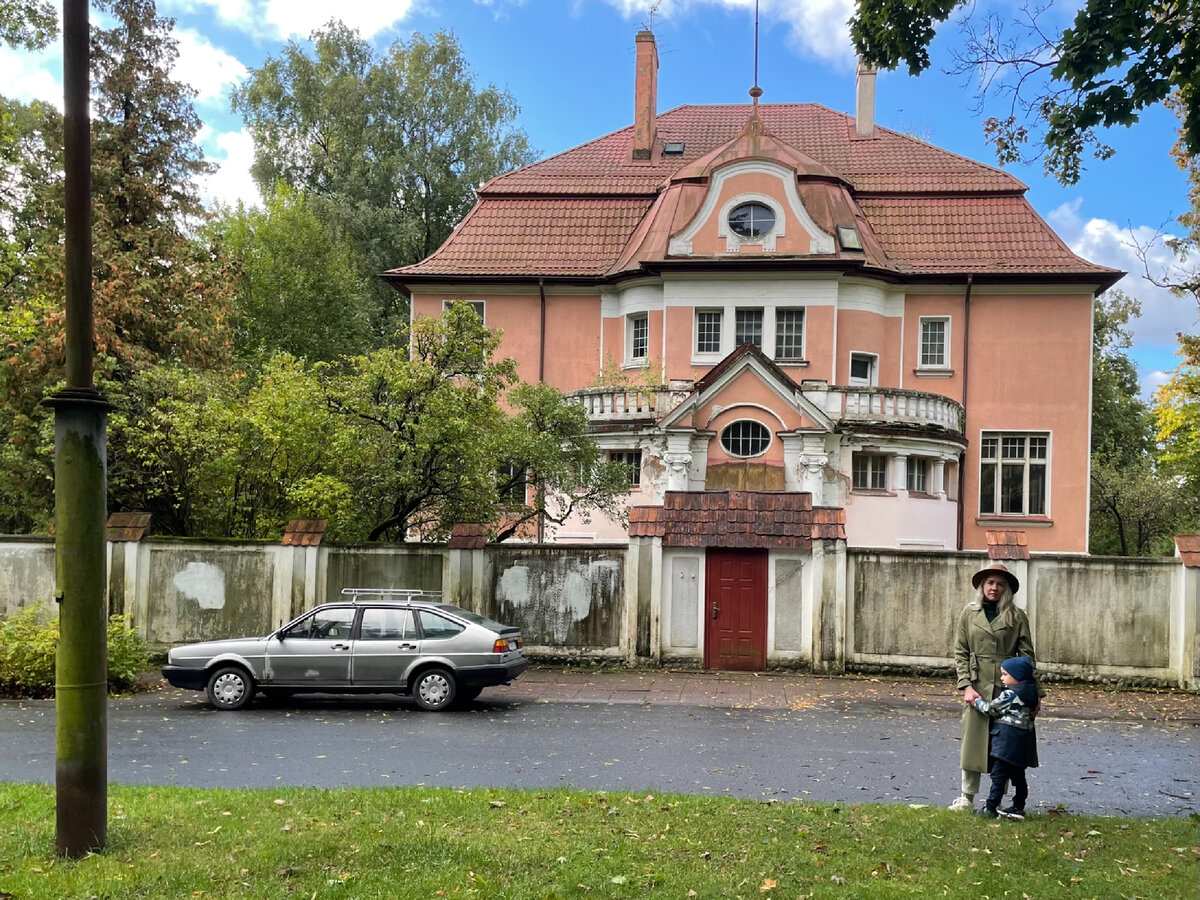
1013,736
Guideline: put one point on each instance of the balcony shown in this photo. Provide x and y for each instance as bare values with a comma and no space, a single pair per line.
886,406
629,405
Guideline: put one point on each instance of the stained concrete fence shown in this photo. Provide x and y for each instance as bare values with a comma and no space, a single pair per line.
1131,621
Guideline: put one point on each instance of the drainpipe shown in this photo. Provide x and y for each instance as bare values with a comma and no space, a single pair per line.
542,331
541,521
966,367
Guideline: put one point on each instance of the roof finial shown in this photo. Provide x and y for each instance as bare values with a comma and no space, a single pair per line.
756,91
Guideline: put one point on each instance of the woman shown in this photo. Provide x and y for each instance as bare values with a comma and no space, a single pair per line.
990,630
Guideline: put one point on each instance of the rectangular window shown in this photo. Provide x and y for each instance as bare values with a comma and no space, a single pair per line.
870,472
708,331
639,337
917,474
1013,473
748,327
789,334
862,369
476,305
510,484
933,343
632,460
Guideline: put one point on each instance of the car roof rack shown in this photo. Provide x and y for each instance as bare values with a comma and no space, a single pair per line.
405,595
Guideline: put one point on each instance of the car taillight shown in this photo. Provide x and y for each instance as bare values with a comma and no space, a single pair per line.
501,645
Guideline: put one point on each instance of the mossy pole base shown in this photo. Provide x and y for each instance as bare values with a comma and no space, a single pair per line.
81,668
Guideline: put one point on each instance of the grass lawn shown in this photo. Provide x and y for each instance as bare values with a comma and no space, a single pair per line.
174,843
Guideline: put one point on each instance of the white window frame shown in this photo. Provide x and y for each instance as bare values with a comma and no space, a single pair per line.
945,361
478,305
872,378
632,320
994,455
717,311
770,439
803,332
916,474
762,325
875,465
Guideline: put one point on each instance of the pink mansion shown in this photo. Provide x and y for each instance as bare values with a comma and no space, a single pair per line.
792,325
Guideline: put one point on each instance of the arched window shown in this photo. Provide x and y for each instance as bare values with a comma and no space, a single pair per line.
745,437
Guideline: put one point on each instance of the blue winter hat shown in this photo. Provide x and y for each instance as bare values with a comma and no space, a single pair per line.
1019,667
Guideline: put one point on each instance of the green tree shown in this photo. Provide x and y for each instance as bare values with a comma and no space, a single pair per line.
1136,507
419,456
549,459
209,458
388,146
160,294
298,289
1114,61
30,24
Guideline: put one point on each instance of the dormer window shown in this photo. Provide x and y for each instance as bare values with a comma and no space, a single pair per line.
751,220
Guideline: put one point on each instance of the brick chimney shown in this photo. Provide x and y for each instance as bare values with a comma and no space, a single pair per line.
864,103
645,97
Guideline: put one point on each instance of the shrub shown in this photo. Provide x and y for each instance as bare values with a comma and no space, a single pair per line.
29,643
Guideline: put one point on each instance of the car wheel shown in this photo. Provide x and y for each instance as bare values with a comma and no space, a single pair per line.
230,688
434,689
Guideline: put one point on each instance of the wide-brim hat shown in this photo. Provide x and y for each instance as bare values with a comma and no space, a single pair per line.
996,569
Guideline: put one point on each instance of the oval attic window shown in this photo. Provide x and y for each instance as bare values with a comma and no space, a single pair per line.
745,438
751,220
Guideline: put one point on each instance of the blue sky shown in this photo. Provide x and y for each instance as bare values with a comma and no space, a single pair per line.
569,65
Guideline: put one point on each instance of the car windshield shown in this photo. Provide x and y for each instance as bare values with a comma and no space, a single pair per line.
474,618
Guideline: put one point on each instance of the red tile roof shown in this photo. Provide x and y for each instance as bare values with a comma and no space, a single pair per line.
746,519
926,211
511,237
1007,545
1188,546
304,532
127,526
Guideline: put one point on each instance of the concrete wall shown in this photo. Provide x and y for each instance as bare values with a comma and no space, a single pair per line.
830,610
26,573
565,603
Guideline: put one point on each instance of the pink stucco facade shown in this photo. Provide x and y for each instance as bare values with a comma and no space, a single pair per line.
778,302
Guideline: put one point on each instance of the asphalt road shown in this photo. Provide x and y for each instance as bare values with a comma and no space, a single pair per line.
869,756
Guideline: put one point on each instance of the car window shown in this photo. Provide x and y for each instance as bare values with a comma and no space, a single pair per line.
322,625
386,624
434,626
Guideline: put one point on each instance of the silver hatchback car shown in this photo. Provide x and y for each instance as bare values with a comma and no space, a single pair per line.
373,641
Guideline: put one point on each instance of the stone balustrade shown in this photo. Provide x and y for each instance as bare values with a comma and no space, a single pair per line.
888,406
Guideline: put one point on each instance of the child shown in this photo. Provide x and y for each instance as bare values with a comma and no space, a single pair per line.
1013,746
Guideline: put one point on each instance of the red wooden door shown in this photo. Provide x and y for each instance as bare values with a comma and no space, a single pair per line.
735,610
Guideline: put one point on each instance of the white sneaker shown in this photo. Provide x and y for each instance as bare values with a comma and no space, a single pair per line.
962,803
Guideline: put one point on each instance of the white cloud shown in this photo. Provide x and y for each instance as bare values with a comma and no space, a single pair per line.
282,19
233,153
33,76
817,27
298,18
1110,244
208,69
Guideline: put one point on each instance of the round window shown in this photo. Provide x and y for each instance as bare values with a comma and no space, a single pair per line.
751,220
745,438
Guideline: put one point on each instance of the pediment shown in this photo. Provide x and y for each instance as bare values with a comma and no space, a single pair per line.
748,379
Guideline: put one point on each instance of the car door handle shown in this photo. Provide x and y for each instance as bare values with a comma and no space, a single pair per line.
340,647
408,646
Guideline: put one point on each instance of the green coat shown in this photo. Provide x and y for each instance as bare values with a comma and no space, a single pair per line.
980,647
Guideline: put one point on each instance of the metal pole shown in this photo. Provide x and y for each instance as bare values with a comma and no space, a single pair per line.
80,476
